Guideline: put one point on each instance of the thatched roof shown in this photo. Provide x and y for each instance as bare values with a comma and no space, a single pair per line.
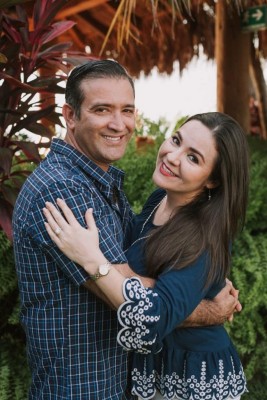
151,36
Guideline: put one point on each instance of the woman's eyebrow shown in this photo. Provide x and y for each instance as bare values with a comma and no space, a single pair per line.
180,137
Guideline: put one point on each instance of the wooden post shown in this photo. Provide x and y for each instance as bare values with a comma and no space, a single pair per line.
259,86
232,50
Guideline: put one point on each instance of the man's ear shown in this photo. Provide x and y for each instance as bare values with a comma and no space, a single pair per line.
69,115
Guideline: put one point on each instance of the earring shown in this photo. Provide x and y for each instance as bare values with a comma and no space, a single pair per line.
209,194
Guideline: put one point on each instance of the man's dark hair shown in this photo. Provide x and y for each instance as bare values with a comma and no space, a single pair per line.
93,69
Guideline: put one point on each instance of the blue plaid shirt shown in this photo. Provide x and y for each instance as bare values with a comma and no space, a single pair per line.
71,334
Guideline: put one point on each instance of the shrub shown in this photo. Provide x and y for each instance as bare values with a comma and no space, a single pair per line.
29,60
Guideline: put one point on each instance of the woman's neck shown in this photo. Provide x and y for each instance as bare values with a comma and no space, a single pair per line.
166,210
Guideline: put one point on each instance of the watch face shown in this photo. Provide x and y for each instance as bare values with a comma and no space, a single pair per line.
104,269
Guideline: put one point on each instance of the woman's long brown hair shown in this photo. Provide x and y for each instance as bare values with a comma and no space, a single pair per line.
207,225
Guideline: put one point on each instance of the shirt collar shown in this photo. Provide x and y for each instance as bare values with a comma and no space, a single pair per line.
106,178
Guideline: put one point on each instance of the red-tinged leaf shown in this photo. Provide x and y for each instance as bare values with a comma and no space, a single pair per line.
11,34
6,156
45,11
22,15
59,65
10,194
53,89
18,83
55,119
9,111
46,81
41,130
56,49
6,218
24,33
9,3
77,59
38,12
33,116
30,149
57,29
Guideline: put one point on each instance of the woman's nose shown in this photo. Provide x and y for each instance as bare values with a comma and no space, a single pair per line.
174,157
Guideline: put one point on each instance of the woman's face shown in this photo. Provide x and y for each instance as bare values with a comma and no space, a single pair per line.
185,162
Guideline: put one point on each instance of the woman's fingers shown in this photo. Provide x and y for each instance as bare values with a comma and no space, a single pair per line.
68,214
53,216
56,225
90,221
54,237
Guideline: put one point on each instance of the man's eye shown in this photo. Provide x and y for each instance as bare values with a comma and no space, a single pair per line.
101,110
129,111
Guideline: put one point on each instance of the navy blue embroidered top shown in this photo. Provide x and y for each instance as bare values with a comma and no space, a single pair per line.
71,334
188,363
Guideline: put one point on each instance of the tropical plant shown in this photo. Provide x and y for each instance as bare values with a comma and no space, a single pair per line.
29,63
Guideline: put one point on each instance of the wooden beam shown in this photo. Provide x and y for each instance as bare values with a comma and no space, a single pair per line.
75,38
85,26
78,8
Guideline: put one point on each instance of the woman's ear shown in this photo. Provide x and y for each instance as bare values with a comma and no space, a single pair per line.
212,184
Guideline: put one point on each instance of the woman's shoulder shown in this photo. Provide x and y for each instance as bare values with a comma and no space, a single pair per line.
153,200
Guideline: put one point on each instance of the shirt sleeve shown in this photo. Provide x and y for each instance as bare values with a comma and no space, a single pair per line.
148,315
79,201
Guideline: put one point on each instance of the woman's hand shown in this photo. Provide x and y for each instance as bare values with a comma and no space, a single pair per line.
77,243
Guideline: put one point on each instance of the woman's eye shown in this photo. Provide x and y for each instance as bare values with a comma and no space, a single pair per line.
175,140
193,158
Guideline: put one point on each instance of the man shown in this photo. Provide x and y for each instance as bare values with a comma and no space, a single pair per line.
71,333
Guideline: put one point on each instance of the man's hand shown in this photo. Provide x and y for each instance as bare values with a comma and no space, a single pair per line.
227,301
216,311
234,292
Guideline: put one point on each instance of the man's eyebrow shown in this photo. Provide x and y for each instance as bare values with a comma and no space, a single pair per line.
178,133
99,104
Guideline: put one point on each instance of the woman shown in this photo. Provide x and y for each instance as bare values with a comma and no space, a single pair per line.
182,238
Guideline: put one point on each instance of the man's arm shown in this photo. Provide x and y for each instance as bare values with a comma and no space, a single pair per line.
216,311
208,312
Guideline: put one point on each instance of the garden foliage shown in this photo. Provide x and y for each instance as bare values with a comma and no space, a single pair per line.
249,272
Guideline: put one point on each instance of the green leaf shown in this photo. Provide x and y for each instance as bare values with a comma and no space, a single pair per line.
5,217
10,194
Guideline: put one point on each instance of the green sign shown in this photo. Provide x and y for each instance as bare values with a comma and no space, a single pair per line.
254,18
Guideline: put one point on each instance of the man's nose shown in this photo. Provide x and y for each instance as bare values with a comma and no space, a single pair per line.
116,122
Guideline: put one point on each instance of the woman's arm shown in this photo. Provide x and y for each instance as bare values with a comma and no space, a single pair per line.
82,246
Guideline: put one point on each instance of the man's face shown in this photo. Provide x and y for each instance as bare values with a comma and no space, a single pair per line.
107,120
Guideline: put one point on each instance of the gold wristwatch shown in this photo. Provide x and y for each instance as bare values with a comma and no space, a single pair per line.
103,270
